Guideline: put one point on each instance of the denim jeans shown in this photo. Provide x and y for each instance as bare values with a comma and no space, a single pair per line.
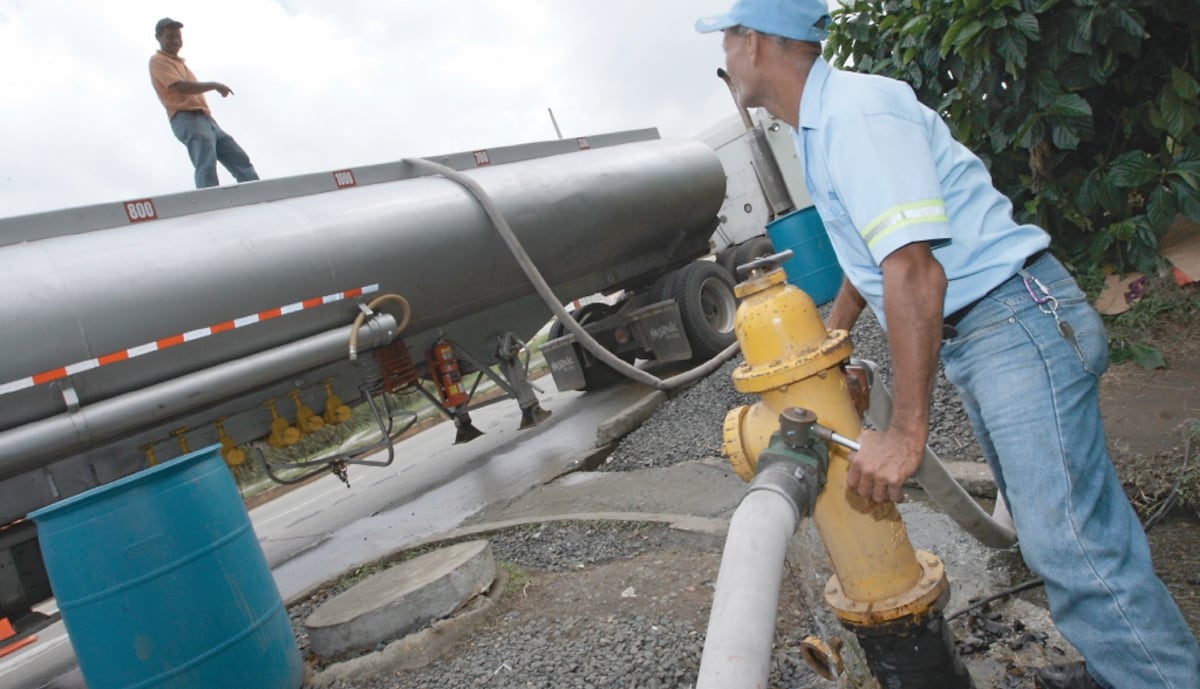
1032,395
207,143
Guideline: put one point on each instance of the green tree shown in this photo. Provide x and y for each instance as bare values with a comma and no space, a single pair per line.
1086,111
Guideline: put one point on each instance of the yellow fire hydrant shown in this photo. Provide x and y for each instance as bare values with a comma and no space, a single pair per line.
881,586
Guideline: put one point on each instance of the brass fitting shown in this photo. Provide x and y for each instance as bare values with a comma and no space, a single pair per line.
306,419
230,452
282,433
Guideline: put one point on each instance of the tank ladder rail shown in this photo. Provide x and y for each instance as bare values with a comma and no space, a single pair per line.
339,463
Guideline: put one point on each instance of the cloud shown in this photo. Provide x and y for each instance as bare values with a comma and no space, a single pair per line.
320,85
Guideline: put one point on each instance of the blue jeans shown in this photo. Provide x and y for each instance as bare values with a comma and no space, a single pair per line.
206,144
1032,396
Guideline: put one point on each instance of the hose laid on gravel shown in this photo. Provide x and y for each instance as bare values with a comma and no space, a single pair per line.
555,305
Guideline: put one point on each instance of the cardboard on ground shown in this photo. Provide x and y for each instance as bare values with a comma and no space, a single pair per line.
1181,246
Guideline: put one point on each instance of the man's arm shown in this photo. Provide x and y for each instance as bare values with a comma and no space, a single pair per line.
847,306
914,292
194,87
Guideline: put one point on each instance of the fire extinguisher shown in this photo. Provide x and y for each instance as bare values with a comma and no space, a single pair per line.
443,368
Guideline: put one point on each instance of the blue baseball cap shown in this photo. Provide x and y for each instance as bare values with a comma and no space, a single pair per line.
799,20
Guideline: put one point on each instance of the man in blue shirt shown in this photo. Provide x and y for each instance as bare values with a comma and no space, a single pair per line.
927,242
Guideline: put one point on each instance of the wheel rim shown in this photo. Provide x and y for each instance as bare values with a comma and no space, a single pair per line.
718,305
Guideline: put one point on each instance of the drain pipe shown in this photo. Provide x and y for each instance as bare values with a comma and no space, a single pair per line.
552,302
741,626
766,168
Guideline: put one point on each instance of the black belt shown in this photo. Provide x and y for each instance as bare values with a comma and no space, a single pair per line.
949,322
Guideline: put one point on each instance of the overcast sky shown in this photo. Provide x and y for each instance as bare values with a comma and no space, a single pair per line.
325,84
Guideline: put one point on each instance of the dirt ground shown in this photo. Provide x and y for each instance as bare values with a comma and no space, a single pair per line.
1148,414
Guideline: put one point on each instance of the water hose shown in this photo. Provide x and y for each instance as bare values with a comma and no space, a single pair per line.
554,304
995,531
741,625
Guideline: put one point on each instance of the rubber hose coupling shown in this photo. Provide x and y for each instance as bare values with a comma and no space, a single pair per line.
792,464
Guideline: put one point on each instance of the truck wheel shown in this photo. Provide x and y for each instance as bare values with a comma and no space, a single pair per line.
727,259
704,292
596,374
749,250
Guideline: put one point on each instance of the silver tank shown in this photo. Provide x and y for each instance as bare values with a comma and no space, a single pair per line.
589,219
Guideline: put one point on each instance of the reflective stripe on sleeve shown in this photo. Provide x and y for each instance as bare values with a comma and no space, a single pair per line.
903,215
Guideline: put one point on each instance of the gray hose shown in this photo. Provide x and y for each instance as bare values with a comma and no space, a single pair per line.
543,289
995,531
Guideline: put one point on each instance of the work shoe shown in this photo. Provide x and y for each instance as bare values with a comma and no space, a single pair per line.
1066,676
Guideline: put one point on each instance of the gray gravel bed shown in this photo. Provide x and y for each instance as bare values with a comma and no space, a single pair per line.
619,652
688,426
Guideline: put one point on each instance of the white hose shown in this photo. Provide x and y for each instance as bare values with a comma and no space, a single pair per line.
555,305
741,626
996,531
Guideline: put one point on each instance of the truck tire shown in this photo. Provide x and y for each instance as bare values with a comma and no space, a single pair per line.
749,250
596,374
707,306
727,259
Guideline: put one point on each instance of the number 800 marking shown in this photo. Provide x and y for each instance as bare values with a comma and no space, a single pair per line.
141,210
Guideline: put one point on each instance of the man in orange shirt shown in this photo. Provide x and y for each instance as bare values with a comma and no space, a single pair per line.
191,120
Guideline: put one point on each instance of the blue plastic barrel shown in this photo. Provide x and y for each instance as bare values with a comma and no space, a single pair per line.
162,583
813,266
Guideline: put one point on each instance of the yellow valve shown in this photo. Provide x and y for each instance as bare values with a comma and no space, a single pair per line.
335,410
306,419
151,458
282,434
792,361
230,452
181,435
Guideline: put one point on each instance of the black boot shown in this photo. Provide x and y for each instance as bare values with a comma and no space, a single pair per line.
1067,676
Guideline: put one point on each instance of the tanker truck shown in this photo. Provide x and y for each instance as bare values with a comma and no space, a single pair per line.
137,330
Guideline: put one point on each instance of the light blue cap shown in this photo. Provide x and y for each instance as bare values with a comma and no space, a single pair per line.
800,20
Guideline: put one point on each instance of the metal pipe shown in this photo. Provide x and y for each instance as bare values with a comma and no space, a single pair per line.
724,76
27,447
741,626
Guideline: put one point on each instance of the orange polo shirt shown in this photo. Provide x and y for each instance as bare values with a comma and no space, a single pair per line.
166,69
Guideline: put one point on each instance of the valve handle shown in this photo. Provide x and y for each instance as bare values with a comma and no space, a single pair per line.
766,263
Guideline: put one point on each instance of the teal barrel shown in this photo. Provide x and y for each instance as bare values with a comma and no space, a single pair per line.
162,583
813,266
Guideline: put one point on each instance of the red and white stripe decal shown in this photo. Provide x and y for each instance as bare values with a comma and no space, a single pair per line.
189,336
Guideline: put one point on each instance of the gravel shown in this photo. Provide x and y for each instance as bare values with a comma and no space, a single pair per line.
630,651
617,651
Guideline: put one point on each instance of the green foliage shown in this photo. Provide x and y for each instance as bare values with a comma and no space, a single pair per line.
1085,111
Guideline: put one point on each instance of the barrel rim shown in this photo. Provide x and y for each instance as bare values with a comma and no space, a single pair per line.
174,464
